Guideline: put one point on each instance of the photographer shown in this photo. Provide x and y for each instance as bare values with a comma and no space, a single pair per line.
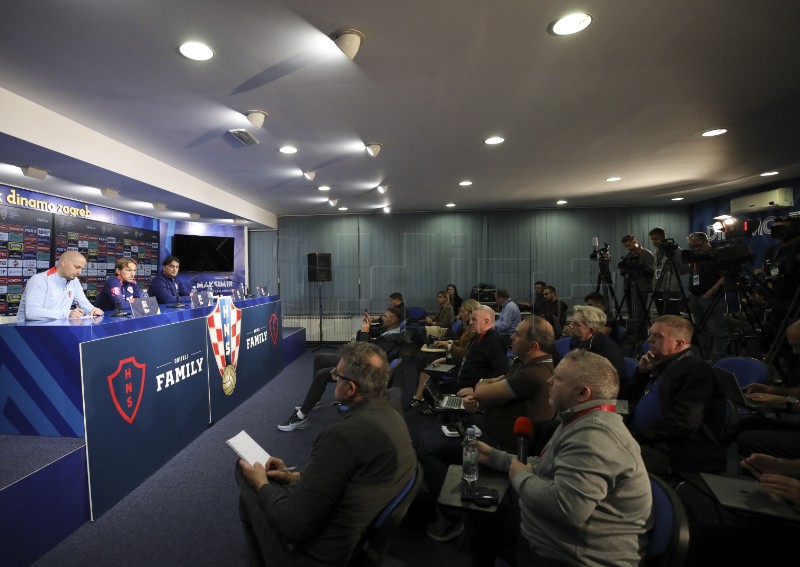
705,283
637,269
667,295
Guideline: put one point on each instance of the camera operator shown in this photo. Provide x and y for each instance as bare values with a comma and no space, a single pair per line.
667,297
705,283
637,269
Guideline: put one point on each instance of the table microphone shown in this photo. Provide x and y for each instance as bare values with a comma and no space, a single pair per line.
523,431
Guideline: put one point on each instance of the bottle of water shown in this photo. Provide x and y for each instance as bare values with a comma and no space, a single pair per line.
469,469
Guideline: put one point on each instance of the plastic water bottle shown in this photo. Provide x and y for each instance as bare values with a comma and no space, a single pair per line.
469,468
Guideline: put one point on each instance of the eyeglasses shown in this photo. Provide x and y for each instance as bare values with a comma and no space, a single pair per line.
336,376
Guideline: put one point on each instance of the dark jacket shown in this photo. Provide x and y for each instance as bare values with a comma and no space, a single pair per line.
167,290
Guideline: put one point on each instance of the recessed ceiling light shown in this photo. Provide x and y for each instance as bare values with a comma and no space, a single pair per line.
387,209
323,188
494,140
714,132
677,198
561,202
613,178
196,51
288,150
570,24
450,205
465,183
769,173
342,208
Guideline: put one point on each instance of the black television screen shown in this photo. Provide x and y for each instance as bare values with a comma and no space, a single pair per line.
203,253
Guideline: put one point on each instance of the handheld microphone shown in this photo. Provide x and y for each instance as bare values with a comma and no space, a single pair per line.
523,431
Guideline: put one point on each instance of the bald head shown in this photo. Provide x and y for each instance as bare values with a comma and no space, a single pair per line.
70,265
793,336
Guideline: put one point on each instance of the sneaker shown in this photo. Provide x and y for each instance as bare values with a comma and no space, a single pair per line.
317,406
293,423
444,529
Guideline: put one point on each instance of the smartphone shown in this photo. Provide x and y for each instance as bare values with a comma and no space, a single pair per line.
480,495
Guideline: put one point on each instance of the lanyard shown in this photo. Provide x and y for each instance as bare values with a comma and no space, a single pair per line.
602,407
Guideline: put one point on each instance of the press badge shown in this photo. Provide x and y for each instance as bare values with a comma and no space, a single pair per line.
696,279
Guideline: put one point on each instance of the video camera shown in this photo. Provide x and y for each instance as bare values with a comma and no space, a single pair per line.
723,253
631,266
784,228
669,246
601,254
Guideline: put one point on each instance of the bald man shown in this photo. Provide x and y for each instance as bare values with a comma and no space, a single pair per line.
57,293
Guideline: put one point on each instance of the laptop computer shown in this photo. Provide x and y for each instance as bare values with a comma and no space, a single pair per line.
441,368
732,390
743,493
443,402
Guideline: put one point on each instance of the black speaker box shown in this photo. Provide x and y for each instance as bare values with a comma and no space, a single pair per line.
319,267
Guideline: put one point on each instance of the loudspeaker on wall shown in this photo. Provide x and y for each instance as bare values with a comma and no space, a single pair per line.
319,267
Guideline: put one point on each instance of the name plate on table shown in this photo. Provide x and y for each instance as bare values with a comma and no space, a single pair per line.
145,306
201,299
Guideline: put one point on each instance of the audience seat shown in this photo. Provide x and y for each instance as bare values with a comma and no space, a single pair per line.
562,346
746,369
669,536
631,366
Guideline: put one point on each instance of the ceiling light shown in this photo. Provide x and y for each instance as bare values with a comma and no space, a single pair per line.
310,175
383,189
33,171
387,209
677,198
256,117
333,202
196,51
717,226
570,24
243,136
194,216
465,183
348,40
561,202
342,208
494,140
110,192
715,132
451,205
721,217
159,206
769,173
323,188
613,178
373,149
288,150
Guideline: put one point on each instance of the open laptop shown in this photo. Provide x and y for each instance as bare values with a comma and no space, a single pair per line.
745,494
732,390
443,402
440,368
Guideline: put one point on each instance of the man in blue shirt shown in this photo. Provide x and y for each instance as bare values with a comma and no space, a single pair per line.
57,293
166,287
509,317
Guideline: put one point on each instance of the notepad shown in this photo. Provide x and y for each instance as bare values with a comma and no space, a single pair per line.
248,449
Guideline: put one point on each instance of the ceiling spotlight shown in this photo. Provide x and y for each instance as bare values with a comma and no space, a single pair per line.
714,132
348,40
373,149
465,183
288,150
769,173
110,192
612,179
383,189
310,175
387,209
568,25
256,117
35,172
494,140
333,202
159,207
243,136
323,188
561,202
196,51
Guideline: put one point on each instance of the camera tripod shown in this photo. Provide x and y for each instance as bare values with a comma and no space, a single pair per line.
638,317
668,268
604,283
321,344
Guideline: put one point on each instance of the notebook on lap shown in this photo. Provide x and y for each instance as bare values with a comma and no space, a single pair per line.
443,402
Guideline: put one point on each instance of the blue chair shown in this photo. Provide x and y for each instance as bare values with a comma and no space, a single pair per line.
669,536
645,346
374,542
746,369
562,346
619,334
415,325
631,366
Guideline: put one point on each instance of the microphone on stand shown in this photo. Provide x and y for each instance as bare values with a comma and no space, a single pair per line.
119,312
523,431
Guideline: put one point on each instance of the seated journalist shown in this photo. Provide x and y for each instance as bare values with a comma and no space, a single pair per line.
57,293
357,466
120,290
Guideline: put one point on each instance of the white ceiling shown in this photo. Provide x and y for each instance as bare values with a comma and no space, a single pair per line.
96,93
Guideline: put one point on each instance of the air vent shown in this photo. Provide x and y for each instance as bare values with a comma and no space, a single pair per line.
243,136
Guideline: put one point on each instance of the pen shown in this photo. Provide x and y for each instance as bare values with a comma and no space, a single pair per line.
290,468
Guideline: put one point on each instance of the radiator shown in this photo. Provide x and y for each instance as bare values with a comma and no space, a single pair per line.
335,328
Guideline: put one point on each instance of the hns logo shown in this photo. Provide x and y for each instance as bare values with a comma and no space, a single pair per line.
127,387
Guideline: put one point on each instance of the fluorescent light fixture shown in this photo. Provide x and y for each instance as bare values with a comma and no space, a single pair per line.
387,209
383,189
348,40
310,175
34,172
494,140
243,136
451,205
196,51
561,202
110,192
465,183
611,179
769,173
287,150
323,188
373,149
159,206
570,24
714,132
677,198
256,117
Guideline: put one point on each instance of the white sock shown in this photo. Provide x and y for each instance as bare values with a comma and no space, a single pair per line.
300,414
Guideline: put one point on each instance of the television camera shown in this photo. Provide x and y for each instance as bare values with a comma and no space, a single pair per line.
600,254
632,266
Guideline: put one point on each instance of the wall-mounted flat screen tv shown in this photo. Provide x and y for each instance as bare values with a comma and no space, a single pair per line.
203,253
